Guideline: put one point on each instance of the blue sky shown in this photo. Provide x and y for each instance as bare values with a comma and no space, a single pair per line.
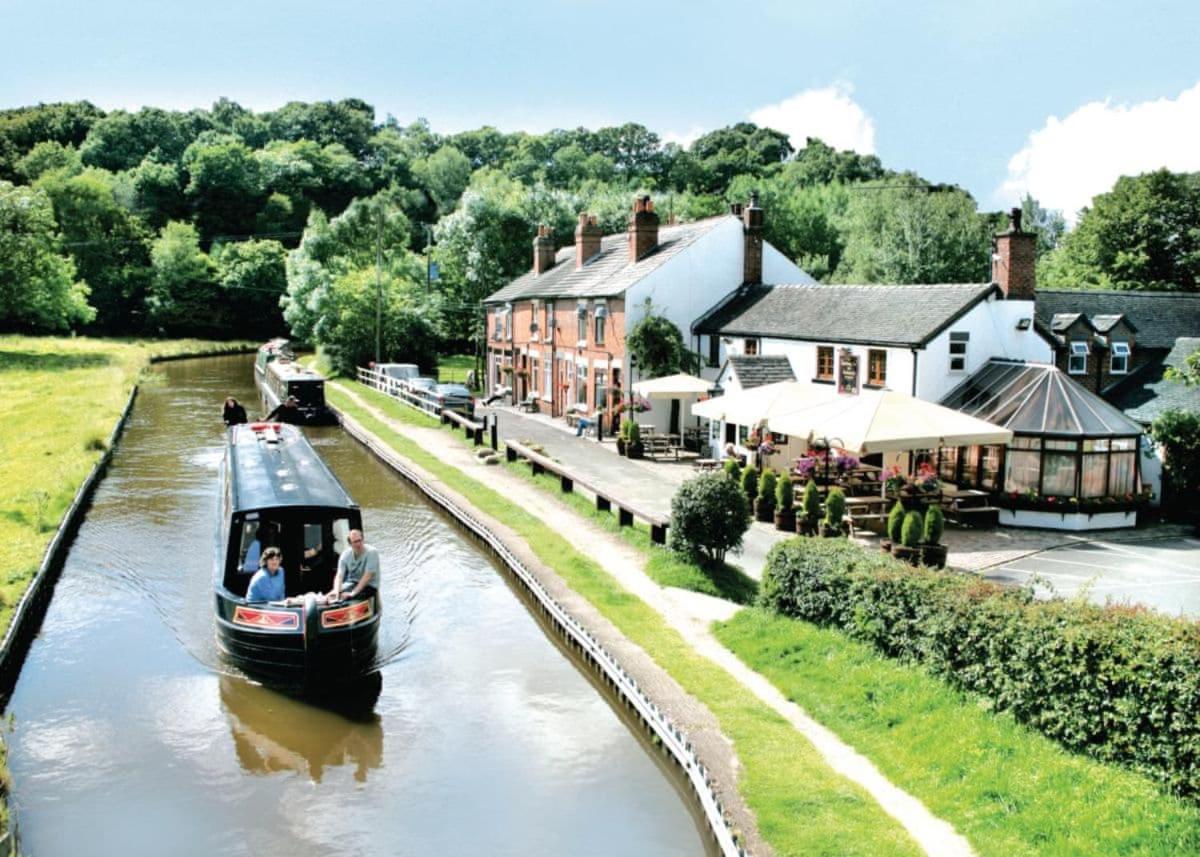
1078,91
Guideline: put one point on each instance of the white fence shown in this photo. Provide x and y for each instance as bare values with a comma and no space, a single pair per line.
421,399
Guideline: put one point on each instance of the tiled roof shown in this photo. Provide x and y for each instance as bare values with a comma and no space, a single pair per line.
608,273
1160,317
760,369
1037,398
876,314
1148,393
1063,320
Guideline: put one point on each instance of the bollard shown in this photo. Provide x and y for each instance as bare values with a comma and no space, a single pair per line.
495,442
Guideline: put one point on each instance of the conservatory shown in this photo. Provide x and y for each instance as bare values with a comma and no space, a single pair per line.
1072,462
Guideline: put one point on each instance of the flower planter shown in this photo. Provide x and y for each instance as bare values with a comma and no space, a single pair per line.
830,531
906,554
764,512
635,450
805,527
785,520
934,556
620,446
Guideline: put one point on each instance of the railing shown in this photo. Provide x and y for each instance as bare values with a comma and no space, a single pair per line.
422,400
605,499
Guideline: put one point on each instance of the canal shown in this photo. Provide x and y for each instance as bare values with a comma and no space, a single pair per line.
129,735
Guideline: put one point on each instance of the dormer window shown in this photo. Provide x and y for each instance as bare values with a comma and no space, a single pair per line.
1119,362
1077,361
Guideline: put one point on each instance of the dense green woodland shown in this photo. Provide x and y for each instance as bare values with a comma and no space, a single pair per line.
227,222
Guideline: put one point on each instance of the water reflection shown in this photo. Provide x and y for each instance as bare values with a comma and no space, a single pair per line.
273,732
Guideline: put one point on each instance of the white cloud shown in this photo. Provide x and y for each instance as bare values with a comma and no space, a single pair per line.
829,113
684,138
1068,161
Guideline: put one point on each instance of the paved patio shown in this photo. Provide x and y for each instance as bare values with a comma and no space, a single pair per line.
1002,554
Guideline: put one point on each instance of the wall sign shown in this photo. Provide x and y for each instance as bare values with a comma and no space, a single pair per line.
847,372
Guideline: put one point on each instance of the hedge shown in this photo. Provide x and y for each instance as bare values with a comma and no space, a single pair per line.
1121,684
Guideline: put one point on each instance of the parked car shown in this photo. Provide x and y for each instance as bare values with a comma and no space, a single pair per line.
457,398
395,374
426,384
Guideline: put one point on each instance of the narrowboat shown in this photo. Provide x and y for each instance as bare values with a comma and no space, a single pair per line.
277,492
279,376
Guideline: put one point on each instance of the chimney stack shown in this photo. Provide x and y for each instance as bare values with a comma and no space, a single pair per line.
643,228
543,250
587,239
752,241
1014,261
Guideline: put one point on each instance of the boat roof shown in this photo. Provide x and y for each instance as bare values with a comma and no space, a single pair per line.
288,370
273,465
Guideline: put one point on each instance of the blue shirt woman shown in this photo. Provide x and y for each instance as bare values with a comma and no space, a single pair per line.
268,582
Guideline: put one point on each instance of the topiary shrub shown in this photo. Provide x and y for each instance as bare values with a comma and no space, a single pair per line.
633,441
895,522
709,517
935,525
784,500
750,483
910,533
811,506
733,470
835,510
764,504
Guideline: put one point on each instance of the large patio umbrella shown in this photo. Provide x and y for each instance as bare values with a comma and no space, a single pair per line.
672,387
750,407
886,421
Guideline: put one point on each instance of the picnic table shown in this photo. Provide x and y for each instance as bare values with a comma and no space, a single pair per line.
661,444
705,463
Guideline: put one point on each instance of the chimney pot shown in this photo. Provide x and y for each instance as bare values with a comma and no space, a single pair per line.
543,250
587,239
643,228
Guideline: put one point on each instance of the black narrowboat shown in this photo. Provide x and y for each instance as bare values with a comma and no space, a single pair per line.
279,376
277,492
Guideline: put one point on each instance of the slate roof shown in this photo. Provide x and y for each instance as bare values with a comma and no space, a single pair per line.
1147,393
1037,398
906,315
757,370
1160,318
608,273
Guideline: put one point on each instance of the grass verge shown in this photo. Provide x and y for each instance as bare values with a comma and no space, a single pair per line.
1007,789
802,806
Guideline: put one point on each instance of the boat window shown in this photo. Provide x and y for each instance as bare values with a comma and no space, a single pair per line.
341,535
255,537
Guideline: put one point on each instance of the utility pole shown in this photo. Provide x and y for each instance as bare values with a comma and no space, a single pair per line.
378,282
428,269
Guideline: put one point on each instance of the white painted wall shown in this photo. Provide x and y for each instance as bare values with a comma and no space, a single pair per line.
993,327
803,358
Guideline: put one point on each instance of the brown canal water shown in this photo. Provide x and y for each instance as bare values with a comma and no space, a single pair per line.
131,736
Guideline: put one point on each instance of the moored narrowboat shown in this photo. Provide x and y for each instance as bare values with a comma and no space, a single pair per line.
277,492
280,377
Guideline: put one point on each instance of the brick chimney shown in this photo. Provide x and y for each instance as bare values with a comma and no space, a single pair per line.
752,241
1013,262
587,239
543,250
643,228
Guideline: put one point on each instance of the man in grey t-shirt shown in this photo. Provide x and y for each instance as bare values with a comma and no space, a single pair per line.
357,569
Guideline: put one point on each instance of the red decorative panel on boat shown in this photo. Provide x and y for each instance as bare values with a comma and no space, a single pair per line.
343,616
256,618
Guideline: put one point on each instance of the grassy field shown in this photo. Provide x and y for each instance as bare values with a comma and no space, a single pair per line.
454,367
802,806
1006,788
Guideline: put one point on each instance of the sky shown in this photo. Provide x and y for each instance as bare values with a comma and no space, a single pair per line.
1056,98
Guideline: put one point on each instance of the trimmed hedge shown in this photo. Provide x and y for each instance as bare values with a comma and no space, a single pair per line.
1120,684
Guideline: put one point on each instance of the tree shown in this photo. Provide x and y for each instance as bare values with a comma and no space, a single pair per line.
38,289
656,346
1179,433
47,156
23,128
121,140
1143,234
906,231
1189,372
709,516
108,244
741,149
158,193
1048,226
821,164
254,278
445,174
349,122
225,184
183,293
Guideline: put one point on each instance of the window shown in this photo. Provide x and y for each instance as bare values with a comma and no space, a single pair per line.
581,384
533,376
876,367
824,362
1077,361
548,315
1119,362
508,323
601,382
714,351
750,347
581,315
546,379
600,319
958,350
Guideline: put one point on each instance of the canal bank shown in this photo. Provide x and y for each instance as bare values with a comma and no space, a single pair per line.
776,770
132,736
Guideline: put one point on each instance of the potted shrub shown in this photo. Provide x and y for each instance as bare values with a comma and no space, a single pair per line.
835,511
933,552
764,505
895,526
750,484
810,507
633,441
909,550
623,437
785,512
733,470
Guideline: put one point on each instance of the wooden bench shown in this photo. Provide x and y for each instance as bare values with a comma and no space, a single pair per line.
527,405
472,429
605,500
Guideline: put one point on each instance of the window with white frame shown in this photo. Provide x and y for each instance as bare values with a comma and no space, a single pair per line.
581,315
601,316
958,350
546,369
1077,360
1119,361
581,384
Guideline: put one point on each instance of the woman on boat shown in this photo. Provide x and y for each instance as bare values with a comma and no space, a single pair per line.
268,582
234,414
